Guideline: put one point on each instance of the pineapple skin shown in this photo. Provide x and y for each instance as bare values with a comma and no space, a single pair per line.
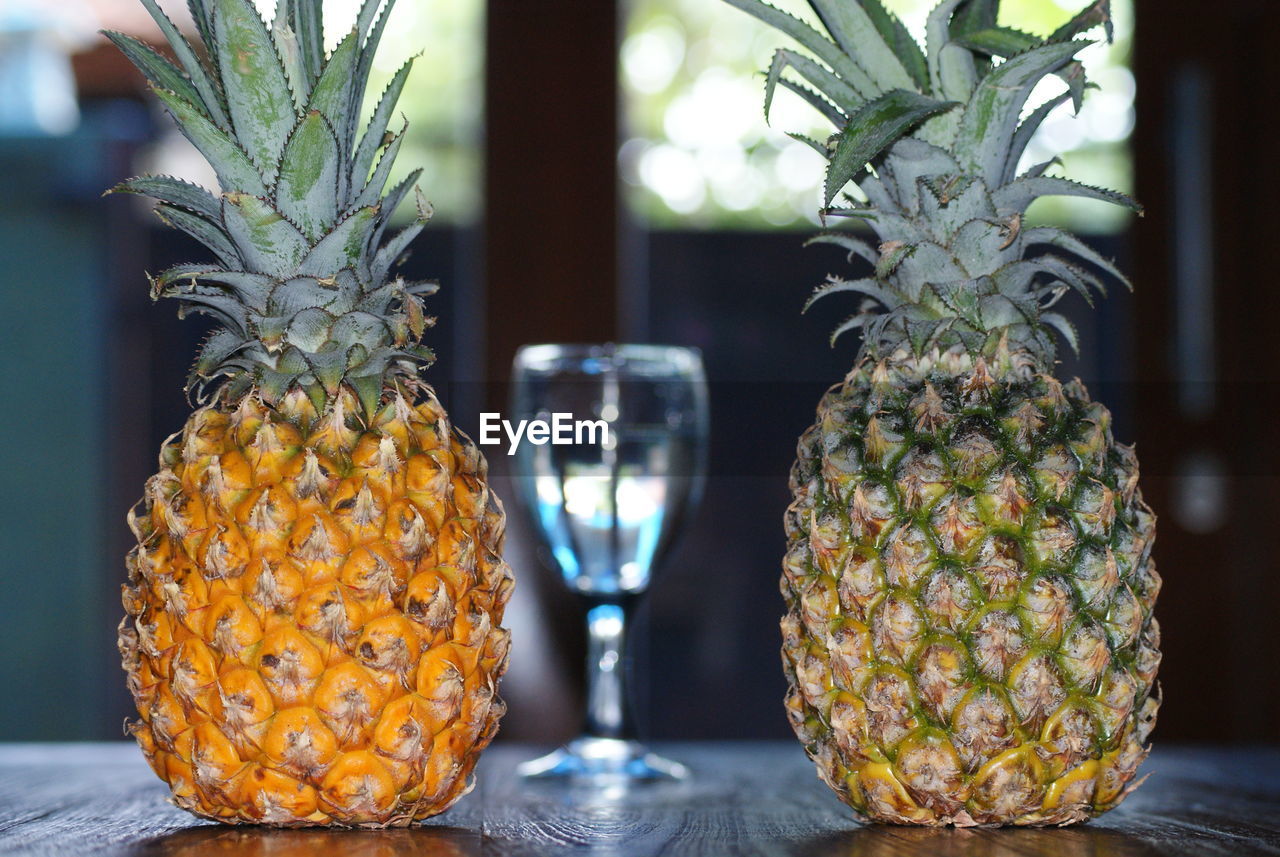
969,637
314,613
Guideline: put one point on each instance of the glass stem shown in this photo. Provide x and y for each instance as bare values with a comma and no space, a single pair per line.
608,708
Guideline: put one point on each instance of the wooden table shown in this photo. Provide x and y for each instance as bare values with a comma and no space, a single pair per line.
758,799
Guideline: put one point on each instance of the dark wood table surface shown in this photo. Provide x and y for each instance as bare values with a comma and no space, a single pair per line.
757,799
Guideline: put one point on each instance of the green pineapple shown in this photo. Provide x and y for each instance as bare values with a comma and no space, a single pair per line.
969,637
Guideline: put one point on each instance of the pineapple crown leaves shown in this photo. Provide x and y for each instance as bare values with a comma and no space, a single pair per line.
302,284
933,138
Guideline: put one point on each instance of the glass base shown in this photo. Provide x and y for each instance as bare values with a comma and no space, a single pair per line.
609,759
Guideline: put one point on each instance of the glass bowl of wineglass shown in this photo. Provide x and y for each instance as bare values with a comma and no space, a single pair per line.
608,504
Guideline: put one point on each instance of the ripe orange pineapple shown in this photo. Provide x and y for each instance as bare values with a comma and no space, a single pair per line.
314,605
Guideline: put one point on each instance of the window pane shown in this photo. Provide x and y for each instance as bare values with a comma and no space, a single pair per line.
700,154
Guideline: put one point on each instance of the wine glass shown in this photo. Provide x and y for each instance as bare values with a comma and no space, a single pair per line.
607,506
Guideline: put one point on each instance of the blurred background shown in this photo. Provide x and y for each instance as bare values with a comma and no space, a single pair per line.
602,171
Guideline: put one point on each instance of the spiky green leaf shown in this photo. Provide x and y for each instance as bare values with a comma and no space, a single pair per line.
372,191
1037,170
370,30
960,297
842,94
365,19
343,247
176,273
329,365
956,76
900,41
888,225
891,258
254,81
375,133
335,295
817,101
947,203
359,327
869,286
211,98
1063,272
998,41
990,119
876,193
245,284
290,53
250,289
391,252
1016,277
909,160
823,48
853,29
853,322
1026,130
202,17
272,385
1007,42
974,15
232,164
220,346
368,390
873,128
813,144
1095,14
380,300
332,97
1018,195
856,246
282,18
1064,240
308,25
268,243
208,233
916,333
176,192
982,246
928,262
211,301
390,203
306,191
157,69
1060,323
1002,311
309,329
937,36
